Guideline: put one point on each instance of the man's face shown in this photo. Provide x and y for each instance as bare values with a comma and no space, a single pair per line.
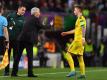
37,13
21,10
76,11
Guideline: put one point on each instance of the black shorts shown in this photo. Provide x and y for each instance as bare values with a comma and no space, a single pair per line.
2,45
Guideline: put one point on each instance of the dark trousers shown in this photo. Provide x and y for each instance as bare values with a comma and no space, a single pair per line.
89,59
29,49
43,59
12,45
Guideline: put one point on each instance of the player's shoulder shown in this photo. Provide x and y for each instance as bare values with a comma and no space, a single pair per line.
82,18
3,18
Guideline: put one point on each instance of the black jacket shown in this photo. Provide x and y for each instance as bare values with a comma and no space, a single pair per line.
17,22
30,30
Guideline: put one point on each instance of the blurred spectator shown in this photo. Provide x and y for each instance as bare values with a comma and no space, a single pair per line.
51,6
101,49
41,50
41,3
44,8
50,46
100,5
104,58
101,52
86,12
65,7
58,8
10,4
30,3
70,3
105,7
89,53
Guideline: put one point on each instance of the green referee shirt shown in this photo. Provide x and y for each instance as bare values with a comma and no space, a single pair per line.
15,25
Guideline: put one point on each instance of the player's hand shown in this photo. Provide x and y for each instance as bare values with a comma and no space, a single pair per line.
63,33
83,41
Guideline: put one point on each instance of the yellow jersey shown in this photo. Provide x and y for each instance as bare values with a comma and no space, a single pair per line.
77,46
81,22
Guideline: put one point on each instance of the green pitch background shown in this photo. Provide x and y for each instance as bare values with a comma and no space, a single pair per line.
94,73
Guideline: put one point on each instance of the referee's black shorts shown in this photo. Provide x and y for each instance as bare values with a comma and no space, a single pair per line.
2,46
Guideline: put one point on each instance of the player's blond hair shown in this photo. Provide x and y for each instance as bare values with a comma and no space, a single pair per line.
78,6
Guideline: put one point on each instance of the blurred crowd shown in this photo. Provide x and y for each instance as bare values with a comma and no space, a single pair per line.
56,5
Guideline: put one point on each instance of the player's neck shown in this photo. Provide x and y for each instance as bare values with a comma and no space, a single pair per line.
79,14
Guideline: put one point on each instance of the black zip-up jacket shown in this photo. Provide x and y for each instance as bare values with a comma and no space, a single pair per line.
30,30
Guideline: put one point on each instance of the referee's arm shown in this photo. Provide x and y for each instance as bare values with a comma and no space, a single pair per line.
6,34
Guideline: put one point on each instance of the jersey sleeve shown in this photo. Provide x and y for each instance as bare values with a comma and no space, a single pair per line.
5,23
82,23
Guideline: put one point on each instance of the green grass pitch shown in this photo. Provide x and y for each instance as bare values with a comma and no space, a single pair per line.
93,73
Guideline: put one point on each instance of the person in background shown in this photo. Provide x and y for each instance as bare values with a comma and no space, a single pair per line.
50,46
89,53
16,21
41,50
104,57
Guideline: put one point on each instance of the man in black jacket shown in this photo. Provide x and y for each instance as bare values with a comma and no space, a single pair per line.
27,39
16,21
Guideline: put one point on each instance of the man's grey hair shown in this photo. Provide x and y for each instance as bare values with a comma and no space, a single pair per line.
34,9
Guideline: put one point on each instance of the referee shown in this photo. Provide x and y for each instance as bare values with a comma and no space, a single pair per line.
16,21
3,33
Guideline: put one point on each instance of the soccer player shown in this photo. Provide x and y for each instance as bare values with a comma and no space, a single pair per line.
77,46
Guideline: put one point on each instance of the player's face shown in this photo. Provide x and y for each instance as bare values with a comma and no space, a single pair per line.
22,10
76,11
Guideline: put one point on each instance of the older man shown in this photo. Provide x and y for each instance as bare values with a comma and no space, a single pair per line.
27,39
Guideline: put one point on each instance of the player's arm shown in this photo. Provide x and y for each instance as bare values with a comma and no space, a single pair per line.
83,34
68,32
6,35
83,30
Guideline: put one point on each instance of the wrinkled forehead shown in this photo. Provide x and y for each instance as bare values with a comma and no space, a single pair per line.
37,10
